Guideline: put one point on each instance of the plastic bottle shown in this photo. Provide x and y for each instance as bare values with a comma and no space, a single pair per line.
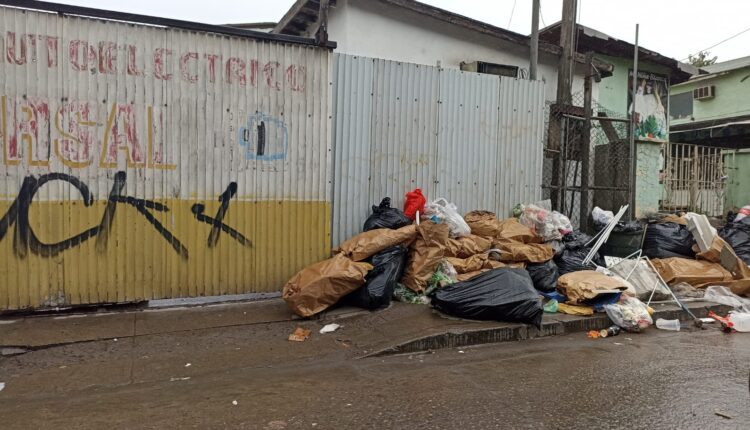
668,324
740,321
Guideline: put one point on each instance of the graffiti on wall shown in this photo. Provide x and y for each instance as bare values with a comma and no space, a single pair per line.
105,57
25,239
264,138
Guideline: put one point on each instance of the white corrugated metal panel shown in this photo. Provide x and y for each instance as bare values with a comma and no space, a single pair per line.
520,142
167,162
467,140
353,104
404,130
471,138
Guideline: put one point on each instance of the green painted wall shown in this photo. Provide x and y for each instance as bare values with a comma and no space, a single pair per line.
738,173
648,190
732,97
613,91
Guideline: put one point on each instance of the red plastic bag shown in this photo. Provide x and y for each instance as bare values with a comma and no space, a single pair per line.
415,201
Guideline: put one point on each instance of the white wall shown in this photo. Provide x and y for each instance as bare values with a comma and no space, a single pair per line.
372,29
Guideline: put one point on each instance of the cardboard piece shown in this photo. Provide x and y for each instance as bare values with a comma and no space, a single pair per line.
588,284
511,250
575,309
694,272
365,245
466,246
300,335
425,254
315,288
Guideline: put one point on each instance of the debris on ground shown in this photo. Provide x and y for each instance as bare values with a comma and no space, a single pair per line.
329,328
483,267
300,335
2,386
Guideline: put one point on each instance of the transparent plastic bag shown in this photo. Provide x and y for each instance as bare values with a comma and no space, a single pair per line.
725,296
448,213
630,314
551,225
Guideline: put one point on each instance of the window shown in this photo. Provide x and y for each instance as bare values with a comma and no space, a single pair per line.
681,105
490,68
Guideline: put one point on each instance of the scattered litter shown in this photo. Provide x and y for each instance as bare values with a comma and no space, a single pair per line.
2,386
673,325
460,352
188,364
234,402
630,314
740,321
299,335
346,343
611,331
707,320
630,339
115,339
723,415
617,343
348,404
63,367
329,328
593,334
179,379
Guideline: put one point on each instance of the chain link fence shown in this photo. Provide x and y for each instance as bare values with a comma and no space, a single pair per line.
576,179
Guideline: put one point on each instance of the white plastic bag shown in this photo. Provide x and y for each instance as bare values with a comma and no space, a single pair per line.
629,313
448,212
602,217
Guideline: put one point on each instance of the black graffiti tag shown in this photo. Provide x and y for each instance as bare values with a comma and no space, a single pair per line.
217,222
24,238
142,206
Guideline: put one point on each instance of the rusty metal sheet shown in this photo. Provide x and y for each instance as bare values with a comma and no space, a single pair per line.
145,162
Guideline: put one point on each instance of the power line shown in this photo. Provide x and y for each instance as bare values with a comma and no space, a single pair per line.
511,13
714,46
544,24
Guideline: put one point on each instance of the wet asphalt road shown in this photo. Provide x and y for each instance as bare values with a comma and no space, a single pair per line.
656,380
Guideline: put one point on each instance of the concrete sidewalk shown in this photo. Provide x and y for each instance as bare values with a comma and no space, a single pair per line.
401,328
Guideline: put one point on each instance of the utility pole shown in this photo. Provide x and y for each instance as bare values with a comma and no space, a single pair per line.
534,50
567,42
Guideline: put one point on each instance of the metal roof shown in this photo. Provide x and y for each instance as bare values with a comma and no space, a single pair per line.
725,66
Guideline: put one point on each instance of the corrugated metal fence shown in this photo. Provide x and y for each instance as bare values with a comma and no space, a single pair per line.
144,162
474,139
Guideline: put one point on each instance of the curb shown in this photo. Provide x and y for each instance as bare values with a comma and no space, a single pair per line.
552,325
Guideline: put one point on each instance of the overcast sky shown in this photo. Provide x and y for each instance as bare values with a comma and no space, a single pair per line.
673,28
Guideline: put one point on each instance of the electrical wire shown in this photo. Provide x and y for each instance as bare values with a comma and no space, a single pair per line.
714,46
511,13
544,24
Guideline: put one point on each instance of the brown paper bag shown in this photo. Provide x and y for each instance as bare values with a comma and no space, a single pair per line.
365,245
526,252
425,254
316,287
694,272
471,264
465,247
587,284
483,223
511,229
466,276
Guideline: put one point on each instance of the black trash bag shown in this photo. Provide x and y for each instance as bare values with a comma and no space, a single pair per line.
503,294
737,235
576,240
572,261
668,239
388,267
384,216
544,276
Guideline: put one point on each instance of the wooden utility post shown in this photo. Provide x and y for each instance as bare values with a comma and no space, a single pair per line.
567,42
586,144
534,50
321,35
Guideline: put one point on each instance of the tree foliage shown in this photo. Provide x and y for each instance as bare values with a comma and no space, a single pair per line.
702,59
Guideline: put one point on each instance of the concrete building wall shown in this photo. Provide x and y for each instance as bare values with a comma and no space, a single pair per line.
373,29
732,97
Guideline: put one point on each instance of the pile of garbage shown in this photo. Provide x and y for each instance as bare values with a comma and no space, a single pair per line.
478,266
